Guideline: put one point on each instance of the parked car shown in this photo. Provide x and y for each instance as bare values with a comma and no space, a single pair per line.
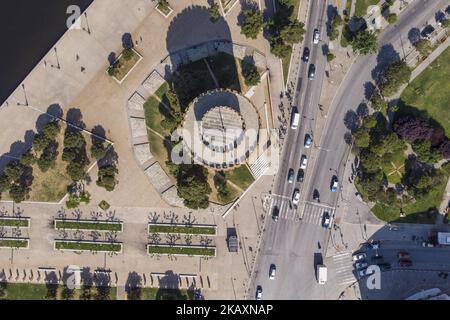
334,184
403,255
326,219
361,265
291,174
258,293
300,175
275,213
311,71
308,141
272,271
427,31
316,195
316,36
303,162
405,263
358,256
296,197
305,56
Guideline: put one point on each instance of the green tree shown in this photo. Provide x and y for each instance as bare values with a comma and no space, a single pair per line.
214,12
76,171
107,177
5,183
40,142
279,48
51,130
193,186
18,192
330,57
370,121
446,23
69,154
98,149
425,153
14,170
67,293
28,158
394,77
362,138
127,54
293,32
252,24
73,139
378,103
365,42
391,18
424,47
250,73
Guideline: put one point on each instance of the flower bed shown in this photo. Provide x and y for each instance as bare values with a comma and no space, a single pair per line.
184,229
99,225
181,250
98,246
21,243
120,69
14,222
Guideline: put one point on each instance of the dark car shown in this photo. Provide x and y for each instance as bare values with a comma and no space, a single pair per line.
427,31
312,72
300,175
305,56
290,177
275,213
316,194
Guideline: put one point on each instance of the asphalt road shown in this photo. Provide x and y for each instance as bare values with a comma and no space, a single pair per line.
294,245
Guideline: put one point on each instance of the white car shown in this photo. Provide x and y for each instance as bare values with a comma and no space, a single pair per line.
272,272
296,197
308,141
316,36
359,256
303,162
361,265
258,293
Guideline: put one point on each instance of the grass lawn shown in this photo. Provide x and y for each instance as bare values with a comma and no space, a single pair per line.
153,116
182,229
28,291
14,223
181,250
94,225
122,66
362,5
160,93
165,294
430,91
422,211
11,243
394,168
224,67
240,176
164,7
84,246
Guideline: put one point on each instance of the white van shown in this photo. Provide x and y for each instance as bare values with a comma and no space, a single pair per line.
295,120
321,274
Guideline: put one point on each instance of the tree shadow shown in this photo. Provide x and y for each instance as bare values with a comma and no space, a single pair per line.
133,286
387,55
75,118
112,57
332,12
169,287
351,120
362,110
16,149
369,89
414,35
127,41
